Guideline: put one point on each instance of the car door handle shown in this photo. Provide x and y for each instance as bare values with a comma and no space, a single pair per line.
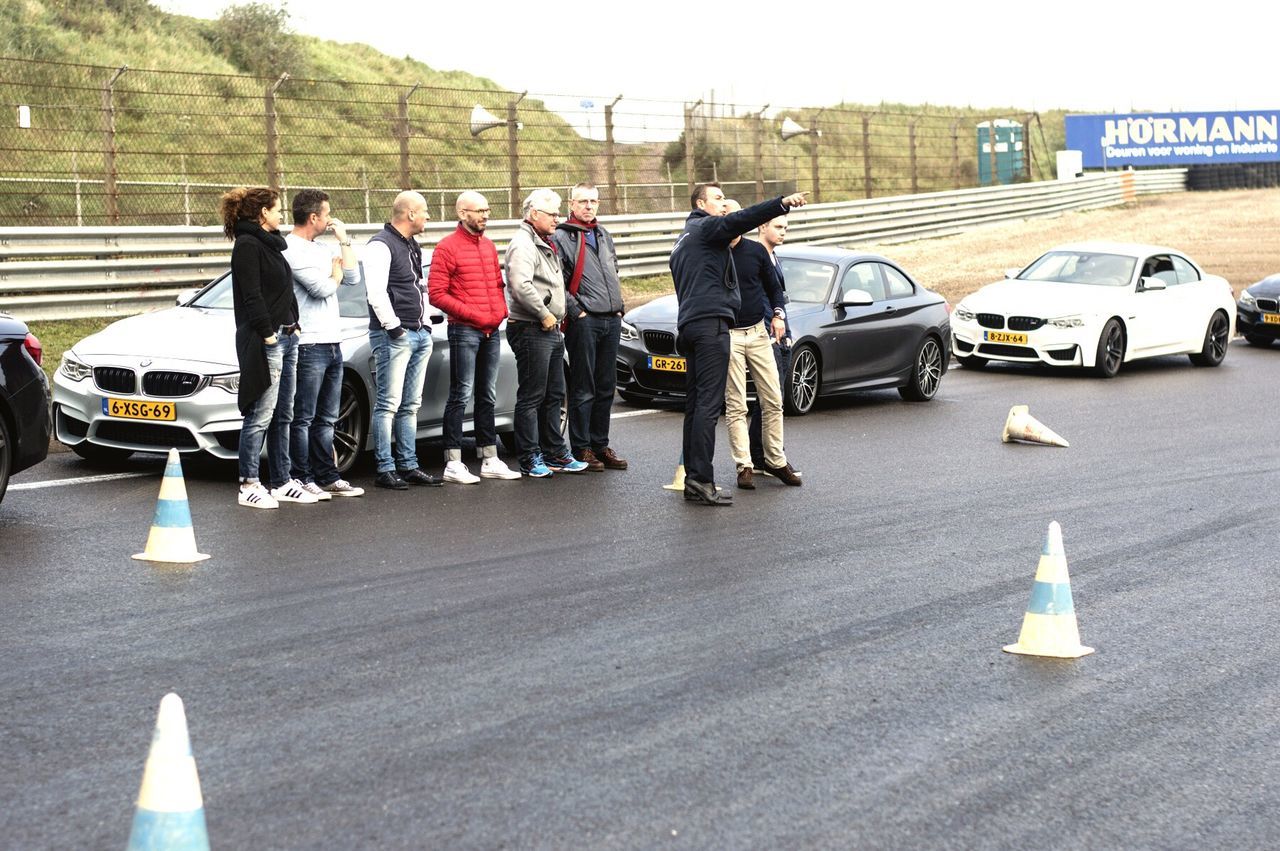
890,309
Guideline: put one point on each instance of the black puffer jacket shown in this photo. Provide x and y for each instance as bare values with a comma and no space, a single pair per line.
263,300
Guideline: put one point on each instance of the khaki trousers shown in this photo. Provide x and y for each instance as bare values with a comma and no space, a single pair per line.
752,347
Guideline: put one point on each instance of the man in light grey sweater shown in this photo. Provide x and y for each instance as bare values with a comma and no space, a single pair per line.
317,274
535,307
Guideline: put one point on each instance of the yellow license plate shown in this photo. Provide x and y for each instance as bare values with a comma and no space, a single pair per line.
1004,337
668,364
133,409
1271,318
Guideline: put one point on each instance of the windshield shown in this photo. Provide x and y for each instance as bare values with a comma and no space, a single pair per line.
807,280
217,296
1079,267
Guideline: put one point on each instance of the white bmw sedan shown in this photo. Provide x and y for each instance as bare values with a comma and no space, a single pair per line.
1097,305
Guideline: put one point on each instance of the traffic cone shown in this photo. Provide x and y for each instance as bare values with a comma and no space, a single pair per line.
172,539
1049,626
1020,425
170,814
677,484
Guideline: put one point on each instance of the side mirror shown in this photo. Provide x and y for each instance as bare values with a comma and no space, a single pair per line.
186,296
1011,273
1151,284
855,298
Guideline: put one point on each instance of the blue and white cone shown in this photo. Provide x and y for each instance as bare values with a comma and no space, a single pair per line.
170,814
677,484
1049,627
172,539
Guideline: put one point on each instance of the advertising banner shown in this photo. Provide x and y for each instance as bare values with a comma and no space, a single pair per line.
1175,138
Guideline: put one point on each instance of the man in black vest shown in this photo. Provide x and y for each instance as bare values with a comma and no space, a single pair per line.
708,297
400,339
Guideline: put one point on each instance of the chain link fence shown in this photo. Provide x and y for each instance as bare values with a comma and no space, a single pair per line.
96,145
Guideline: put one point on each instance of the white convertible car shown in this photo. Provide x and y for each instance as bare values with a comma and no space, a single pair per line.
1097,305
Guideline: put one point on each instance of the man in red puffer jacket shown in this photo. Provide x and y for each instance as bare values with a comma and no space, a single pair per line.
466,283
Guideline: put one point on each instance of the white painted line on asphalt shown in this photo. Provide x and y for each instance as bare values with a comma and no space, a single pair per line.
79,480
634,414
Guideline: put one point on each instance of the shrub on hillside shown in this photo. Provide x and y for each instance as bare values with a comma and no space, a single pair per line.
256,38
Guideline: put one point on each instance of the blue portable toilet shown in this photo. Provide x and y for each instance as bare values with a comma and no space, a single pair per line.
1009,151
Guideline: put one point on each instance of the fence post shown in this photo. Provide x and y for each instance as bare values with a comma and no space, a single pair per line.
513,154
1026,145
814,135
402,130
955,153
757,140
274,178
915,176
688,150
991,145
364,181
112,195
610,157
866,154
75,169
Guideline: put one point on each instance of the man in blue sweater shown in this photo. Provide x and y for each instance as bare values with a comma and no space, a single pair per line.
707,293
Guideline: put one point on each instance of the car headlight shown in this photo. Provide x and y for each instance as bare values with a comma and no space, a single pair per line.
1247,300
74,369
629,332
229,382
963,313
1067,322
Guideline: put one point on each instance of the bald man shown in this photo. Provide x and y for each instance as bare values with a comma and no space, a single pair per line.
466,283
401,341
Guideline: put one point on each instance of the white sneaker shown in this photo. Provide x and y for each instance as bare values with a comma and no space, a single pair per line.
493,468
315,490
457,472
293,491
343,488
254,495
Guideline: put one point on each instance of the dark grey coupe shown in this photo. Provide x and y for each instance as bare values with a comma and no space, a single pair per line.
858,322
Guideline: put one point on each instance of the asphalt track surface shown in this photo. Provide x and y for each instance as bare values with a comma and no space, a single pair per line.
590,662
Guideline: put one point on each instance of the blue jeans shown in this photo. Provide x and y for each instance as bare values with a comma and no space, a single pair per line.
253,432
278,432
473,366
592,342
539,391
315,409
399,371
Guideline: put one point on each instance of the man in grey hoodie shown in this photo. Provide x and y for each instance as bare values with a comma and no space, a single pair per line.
535,307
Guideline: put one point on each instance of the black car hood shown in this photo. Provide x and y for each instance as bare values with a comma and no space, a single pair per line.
1268,287
662,311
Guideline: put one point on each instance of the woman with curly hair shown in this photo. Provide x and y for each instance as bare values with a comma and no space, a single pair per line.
266,314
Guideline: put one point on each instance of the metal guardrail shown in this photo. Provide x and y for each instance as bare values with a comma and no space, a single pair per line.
67,273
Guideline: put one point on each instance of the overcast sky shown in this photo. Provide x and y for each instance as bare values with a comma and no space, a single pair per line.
1086,56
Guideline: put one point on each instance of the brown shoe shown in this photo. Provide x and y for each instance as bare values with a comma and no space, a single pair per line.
611,459
785,474
746,479
594,464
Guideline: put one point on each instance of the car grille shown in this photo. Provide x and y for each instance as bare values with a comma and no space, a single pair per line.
1000,350
1270,305
170,384
1024,323
115,379
659,342
147,434
990,320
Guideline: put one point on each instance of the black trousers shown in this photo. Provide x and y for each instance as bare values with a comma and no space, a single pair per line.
705,346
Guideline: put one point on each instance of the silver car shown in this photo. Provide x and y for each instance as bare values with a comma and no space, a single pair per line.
169,379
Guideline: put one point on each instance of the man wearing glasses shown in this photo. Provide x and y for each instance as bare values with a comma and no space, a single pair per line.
535,304
466,283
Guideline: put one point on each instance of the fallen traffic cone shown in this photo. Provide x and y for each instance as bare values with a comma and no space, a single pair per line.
170,812
677,484
172,539
1049,626
1020,425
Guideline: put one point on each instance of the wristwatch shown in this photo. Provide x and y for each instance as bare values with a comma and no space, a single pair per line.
779,313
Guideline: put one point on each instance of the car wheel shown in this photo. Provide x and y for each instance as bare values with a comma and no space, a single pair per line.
95,454
971,361
926,374
1110,350
1255,340
6,458
1215,341
805,382
351,428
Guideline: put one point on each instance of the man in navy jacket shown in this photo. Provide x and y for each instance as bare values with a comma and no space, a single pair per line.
707,294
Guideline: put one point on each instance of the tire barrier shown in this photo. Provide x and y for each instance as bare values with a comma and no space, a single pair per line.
1233,176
